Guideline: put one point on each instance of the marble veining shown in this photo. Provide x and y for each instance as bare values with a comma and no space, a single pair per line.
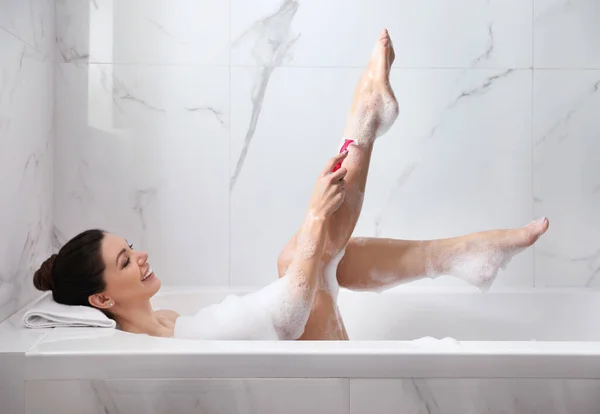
420,147
143,32
477,90
32,22
487,54
566,157
590,261
560,129
126,100
130,97
425,397
70,54
15,285
273,40
434,34
164,129
400,181
487,84
216,112
103,398
202,395
339,396
162,29
143,198
474,396
58,239
25,150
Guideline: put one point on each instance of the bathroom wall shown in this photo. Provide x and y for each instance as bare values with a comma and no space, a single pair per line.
26,184
196,129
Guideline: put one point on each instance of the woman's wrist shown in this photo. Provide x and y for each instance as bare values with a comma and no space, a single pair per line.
314,216
314,223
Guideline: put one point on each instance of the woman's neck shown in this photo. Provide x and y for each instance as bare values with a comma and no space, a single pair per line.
141,318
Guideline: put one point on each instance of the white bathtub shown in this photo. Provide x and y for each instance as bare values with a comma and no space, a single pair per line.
515,352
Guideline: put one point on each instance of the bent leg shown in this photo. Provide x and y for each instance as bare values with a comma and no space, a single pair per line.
374,109
374,264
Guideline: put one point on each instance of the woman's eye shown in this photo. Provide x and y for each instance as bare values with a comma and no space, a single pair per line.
131,246
126,262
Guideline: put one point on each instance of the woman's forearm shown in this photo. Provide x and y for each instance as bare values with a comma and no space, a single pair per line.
289,300
306,262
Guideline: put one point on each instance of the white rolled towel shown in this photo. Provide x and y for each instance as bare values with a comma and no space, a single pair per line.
46,313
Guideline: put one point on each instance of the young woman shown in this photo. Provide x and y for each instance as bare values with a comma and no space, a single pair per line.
101,270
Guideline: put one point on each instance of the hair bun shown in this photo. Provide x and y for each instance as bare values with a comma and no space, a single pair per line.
42,279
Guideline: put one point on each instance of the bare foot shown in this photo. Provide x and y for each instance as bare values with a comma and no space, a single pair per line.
374,106
483,254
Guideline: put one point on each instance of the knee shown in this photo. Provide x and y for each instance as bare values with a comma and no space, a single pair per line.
284,260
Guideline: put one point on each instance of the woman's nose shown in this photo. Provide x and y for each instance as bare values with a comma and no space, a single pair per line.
142,257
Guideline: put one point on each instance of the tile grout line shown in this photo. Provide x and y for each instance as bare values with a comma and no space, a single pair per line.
532,138
230,194
349,395
395,69
55,67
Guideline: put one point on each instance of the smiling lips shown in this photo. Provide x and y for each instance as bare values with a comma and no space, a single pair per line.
148,273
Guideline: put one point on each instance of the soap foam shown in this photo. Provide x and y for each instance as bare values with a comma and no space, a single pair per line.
480,268
287,303
232,319
429,340
280,310
376,114
388,112
306,246
329,275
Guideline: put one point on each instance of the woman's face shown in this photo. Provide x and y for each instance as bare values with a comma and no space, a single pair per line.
128,276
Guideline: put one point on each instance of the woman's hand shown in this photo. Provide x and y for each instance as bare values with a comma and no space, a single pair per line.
328,194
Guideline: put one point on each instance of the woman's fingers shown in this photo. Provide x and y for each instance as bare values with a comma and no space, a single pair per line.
338,176
333,162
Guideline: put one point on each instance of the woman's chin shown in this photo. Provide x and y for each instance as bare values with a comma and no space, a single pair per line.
153,285
156,284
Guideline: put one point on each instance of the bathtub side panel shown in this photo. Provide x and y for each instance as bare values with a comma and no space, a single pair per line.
260,396
474,396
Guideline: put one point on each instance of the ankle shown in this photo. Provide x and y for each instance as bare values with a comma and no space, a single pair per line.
440,256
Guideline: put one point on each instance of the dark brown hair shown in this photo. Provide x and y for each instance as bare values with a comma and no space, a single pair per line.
76,272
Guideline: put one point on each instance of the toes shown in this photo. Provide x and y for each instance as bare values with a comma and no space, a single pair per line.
384,39
532,232
386,42
383,55
539,226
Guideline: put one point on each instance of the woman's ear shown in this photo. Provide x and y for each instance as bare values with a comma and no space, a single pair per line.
101,301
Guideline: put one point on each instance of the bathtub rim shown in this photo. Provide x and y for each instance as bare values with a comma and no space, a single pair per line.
107,354
358,359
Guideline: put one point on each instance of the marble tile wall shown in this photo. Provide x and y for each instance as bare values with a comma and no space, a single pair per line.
322,396
196,128
142,130
26,160
566,141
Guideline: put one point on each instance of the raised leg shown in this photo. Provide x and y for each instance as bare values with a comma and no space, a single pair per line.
378,264
374,109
